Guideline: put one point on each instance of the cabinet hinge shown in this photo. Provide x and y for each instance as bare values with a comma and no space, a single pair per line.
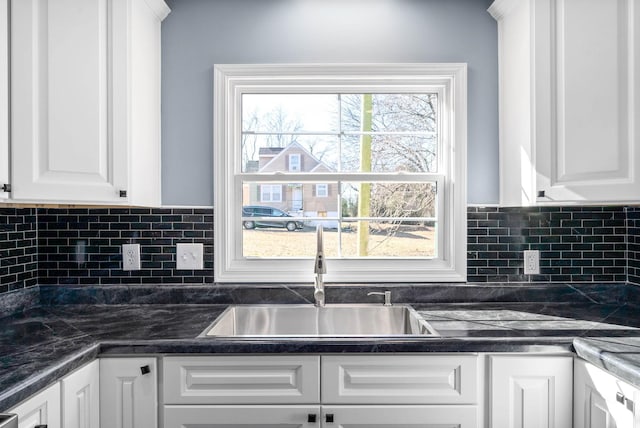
123,193
6,188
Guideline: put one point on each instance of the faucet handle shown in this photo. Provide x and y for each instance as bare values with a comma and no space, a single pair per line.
386,294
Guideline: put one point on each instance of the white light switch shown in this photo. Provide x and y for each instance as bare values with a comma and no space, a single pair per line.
189,256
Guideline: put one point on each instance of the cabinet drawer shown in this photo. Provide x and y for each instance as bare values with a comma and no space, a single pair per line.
241,416
400,379
242,380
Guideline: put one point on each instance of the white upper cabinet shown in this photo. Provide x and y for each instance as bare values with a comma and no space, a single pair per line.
569,97
85,100
4,97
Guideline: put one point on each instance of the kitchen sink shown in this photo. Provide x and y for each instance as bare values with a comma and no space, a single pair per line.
339,320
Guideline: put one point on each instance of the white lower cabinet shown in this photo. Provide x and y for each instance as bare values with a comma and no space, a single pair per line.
81,397
70,403
357,390
531,391
41,409
250,416
603,401
128,393
245,416
400,416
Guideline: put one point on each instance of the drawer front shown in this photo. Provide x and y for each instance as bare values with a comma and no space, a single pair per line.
400,379
242,416
242,380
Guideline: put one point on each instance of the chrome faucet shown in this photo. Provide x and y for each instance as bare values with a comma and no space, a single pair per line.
319,268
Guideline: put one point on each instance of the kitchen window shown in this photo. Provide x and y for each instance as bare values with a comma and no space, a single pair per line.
376,154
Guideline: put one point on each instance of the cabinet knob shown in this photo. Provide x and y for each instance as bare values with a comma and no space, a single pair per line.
329,418
123,193
312,418
145,370
6,188
541,194
40,426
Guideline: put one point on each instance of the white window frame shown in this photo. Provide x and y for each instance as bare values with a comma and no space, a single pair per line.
298,163
271,188
231,81
325,193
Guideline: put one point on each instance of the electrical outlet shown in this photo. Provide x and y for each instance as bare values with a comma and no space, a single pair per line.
130,256
531,262
189,256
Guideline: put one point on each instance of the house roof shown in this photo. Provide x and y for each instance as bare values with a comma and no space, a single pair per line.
284,150
264,151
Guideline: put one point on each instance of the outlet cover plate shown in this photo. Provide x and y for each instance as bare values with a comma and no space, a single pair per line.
532,262
130,256
189,256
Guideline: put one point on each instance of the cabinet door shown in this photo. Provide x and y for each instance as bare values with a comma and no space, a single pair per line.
400,416
245,416
81,397
69,103
531,392
128,393
399,379
600,399
587,128
4,96
41,409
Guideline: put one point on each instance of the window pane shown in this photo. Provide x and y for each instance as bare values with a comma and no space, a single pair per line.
408,239
389,153
389,200
391,112
315,200
286,113
273,153
389,239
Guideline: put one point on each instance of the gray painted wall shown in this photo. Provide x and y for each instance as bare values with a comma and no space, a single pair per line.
200,33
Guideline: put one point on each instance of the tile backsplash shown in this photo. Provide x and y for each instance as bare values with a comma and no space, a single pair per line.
633,227
576,244
18,248
83,246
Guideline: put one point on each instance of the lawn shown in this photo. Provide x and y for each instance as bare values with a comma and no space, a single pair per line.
409,241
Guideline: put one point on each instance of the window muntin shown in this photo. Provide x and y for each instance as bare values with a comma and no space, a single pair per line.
442,85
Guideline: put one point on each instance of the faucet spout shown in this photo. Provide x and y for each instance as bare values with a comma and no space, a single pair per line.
319,268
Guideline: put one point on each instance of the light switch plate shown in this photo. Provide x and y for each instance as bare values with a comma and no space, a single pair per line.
189,256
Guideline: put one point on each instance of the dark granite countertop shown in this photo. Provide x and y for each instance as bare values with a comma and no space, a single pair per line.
42,343
618,355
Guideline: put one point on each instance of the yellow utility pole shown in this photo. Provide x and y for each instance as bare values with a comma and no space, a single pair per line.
364,199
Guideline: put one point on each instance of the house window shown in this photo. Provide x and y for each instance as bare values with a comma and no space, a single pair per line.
270,193
294,162
391,139
322,190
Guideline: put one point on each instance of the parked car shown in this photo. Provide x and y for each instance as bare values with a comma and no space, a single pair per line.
279,218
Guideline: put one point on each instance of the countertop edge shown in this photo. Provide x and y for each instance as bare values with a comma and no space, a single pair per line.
593,350
50,375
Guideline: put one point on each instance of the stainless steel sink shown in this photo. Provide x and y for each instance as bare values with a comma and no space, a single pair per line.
343,320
